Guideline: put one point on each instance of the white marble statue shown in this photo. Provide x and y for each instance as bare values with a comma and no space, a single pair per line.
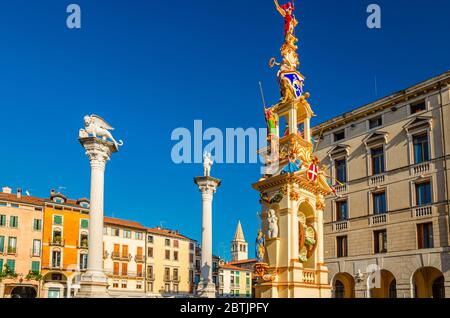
272,221
207,164
98,127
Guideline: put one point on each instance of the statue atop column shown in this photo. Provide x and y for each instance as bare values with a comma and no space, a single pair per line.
207,164
96,126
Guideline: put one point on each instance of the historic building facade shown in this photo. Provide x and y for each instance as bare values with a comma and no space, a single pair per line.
124,257
234,281
170,263
386,229
21,226
65,244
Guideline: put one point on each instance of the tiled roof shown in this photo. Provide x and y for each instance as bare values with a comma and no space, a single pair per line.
119,222
23,199
245,261
232,267
166,232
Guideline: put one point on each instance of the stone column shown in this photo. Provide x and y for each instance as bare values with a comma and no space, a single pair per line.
207,186
94,282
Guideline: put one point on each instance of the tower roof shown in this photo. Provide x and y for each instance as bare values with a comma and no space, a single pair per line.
239,235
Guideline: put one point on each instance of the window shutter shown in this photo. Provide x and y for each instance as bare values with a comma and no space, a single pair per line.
2,244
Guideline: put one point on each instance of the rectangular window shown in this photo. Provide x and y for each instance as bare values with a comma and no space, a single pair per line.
13,222
125,251
36,248
84,224
421,148
138,236
37,225
2,220
191,258
379,203
57,220
341,211
167,242
124,284
36,267
115,232
377,161
175,256
425,235
139,251
167,255
150,271
418,107
175,274
124,269
341,246
150,239
1,266
167,274
2,244
341,170
83,261
340,135
56,259
12,265
105,231
176,243
116,269
237,278
380,242
126,234
191,246
12,245
139,270
375,122
423,193
150,252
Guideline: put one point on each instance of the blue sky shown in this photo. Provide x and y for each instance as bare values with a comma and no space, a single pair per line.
149,67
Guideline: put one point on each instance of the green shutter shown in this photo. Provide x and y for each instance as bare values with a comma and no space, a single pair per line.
84,224
2,220
57,219
35,267
1,266
12,265
2,244
237,279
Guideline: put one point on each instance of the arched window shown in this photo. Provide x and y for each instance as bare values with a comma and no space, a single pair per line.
339,289
393,289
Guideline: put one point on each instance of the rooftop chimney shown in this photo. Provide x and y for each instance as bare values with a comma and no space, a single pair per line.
19,193
7,190
52,192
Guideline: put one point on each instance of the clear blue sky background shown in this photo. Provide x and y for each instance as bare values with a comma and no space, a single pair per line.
151,66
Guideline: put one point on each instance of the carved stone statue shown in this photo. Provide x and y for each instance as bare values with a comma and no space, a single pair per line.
272,221
260,247
207,164
98,127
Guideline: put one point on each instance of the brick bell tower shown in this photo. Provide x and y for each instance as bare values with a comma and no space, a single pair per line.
289,248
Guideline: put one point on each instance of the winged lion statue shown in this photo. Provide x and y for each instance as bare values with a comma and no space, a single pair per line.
98,127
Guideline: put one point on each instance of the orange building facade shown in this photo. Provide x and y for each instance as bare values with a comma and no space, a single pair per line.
65,245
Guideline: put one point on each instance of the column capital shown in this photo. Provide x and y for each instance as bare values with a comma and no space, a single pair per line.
98,150
207,185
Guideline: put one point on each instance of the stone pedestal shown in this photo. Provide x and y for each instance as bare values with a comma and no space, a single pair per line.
94,283
207,186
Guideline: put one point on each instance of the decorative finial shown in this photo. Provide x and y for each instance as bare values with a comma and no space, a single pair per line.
96,126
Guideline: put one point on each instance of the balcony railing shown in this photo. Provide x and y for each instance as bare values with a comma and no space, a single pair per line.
57,242
83,244
139,258
151,277
379,219
378,179
121,257
176,279
308,276
421,168
341,188
167,279
424,211
341,226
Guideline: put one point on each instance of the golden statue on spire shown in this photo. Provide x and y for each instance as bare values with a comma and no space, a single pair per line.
290,80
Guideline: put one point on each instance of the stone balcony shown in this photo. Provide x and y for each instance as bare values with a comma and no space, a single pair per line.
341,188
378,219
340,226
423,211
421,168
308,276
377,180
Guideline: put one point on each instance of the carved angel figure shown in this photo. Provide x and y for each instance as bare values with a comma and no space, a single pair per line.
207,164
98,127
287,12
272,221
